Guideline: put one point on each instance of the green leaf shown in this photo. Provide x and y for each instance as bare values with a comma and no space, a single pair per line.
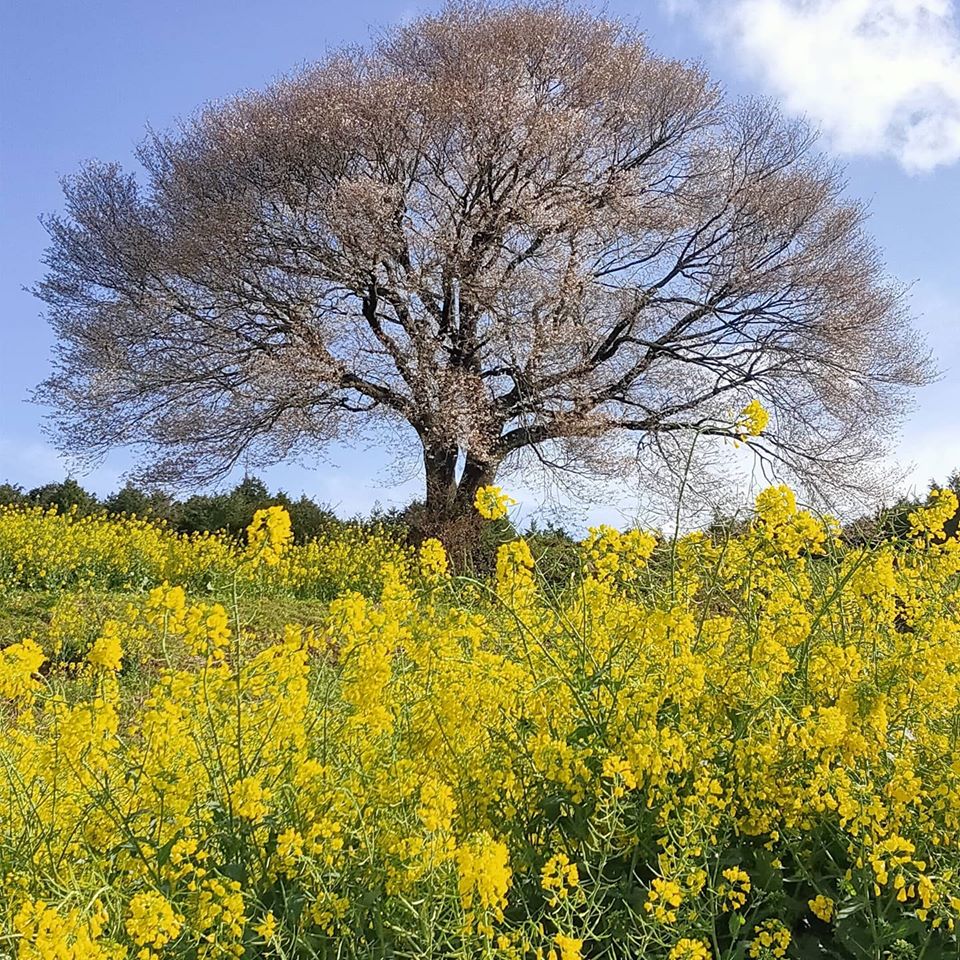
848,908
234,871
163,854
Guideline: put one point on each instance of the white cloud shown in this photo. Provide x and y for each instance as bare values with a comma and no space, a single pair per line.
879,77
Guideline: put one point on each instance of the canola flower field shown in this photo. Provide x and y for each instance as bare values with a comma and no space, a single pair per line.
694,750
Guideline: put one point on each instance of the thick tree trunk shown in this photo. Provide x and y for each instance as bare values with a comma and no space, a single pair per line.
447,497
449,512
476,474
440,467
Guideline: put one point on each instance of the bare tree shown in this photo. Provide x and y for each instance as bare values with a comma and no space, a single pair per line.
511,229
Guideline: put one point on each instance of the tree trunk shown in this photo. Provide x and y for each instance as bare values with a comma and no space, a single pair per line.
446,497
476,474
448,513
440,467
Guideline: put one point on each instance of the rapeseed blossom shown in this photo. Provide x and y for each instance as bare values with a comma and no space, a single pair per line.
45,933
771,939
492,503
734,888
152,922
485,875
569,947
753,419
613,555
559,876
663,899
209,757
107,650
433,559
269,535
687,949
47,550
266,929
822,907
249,798
19,663
929,521
437,806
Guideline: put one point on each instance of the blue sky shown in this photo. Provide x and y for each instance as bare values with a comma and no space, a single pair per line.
83,80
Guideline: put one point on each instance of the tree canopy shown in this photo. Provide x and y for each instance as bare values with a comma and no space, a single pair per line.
512,232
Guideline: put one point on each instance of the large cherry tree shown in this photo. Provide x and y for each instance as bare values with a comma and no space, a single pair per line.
506,232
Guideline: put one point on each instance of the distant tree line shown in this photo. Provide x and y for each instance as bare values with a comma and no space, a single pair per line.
228,510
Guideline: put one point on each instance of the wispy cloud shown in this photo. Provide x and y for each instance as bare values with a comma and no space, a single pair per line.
879,77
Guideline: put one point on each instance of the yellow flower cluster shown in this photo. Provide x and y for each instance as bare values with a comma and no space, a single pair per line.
437,806
663,899
484,869
515,572
559,876
615,555
107,650
433,559
770,940
269,535
929,521
45,933
821,907
43,549
152,923
492,503
19,664
687,949
712,749
249,798
753,419
735,888
569,947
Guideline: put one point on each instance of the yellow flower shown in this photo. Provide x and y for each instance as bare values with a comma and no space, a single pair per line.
484,877
45,933
492,503
770,939
559,876
930,520
433,559
266,929
514,574
437,806
569,947
753,419
822,907
620,771
735,888
19,662
776,505
663,899
615,555
249,798
152,921
269,535
107,651
687,949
